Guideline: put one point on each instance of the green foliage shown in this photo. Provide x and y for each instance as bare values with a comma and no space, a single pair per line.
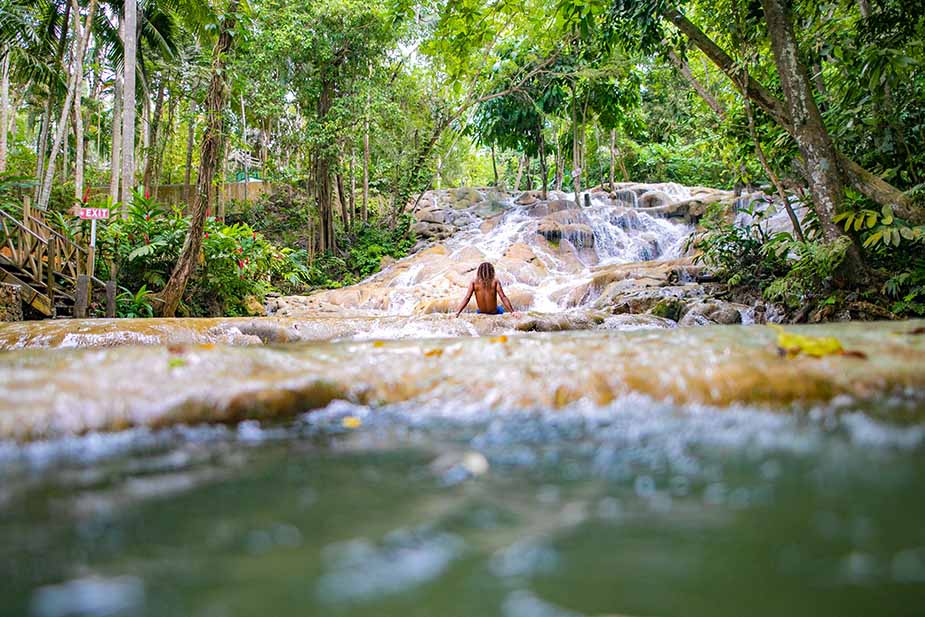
145,240
811,272
879,229
133,305
907,289
741,254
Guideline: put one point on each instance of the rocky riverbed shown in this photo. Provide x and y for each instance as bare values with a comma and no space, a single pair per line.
622,253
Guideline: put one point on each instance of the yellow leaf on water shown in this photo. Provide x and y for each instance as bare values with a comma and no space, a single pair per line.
207,346
351,422
498,339
434,353
175,362
378,343
816,346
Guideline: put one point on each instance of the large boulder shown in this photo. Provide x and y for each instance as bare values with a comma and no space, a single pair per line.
432,216
654,199
712,312
464,197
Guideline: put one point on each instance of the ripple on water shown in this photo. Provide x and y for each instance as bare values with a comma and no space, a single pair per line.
360,570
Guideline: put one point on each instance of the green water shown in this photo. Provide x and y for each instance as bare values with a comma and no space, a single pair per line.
636,508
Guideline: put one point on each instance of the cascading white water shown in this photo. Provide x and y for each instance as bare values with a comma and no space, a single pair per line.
608,232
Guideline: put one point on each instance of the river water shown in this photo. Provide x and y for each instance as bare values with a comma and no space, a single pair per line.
633,508
469,468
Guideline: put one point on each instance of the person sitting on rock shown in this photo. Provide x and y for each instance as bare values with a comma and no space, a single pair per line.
487,290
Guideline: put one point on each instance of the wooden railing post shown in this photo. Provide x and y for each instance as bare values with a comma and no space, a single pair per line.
83,296
51,257
111,291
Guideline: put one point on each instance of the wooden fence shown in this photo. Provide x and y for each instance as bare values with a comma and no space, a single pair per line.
173,194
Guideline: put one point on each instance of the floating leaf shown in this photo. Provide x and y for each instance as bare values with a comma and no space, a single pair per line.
498,339
175,362
378,343
434,353
351,422
793,345
816,346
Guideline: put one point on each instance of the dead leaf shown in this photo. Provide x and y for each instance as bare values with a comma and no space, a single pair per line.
434,353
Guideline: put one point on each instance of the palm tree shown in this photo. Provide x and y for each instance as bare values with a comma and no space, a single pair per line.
81,38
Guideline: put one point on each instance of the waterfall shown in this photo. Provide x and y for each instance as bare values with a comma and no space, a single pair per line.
545,252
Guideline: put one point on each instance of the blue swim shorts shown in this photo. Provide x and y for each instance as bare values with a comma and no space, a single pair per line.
500,311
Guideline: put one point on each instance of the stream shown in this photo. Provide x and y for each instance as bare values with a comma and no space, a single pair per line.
360,452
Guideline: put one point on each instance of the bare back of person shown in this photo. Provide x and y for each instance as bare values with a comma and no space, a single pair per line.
487,291
486,295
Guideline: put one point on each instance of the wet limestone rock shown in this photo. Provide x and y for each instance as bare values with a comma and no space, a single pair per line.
10,303
669,308
712,312
464,197
254,307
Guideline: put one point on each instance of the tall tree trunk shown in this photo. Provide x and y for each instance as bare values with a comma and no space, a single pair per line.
576,150
685,70
190,135
342,198
353,187
613,156
129,28
867,183
543,172
323,189
4,109
41,148
115,158
366,162
208,163
494,165
560,164
153,137
520,172
75,77
813,139
819,155
164,138
79,149
45,132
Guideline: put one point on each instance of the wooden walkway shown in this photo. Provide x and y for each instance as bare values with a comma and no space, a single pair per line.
43,263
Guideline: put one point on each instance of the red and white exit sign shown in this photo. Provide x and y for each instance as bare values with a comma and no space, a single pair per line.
94,213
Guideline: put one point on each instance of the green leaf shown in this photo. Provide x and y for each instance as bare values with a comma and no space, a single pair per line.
871,219
872,239
906,233
887,215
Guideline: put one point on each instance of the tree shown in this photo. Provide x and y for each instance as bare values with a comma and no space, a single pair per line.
81,38
208,164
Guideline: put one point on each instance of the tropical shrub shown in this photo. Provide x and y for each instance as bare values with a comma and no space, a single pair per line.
237,266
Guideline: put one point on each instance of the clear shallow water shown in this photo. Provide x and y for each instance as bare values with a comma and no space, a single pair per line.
635,508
